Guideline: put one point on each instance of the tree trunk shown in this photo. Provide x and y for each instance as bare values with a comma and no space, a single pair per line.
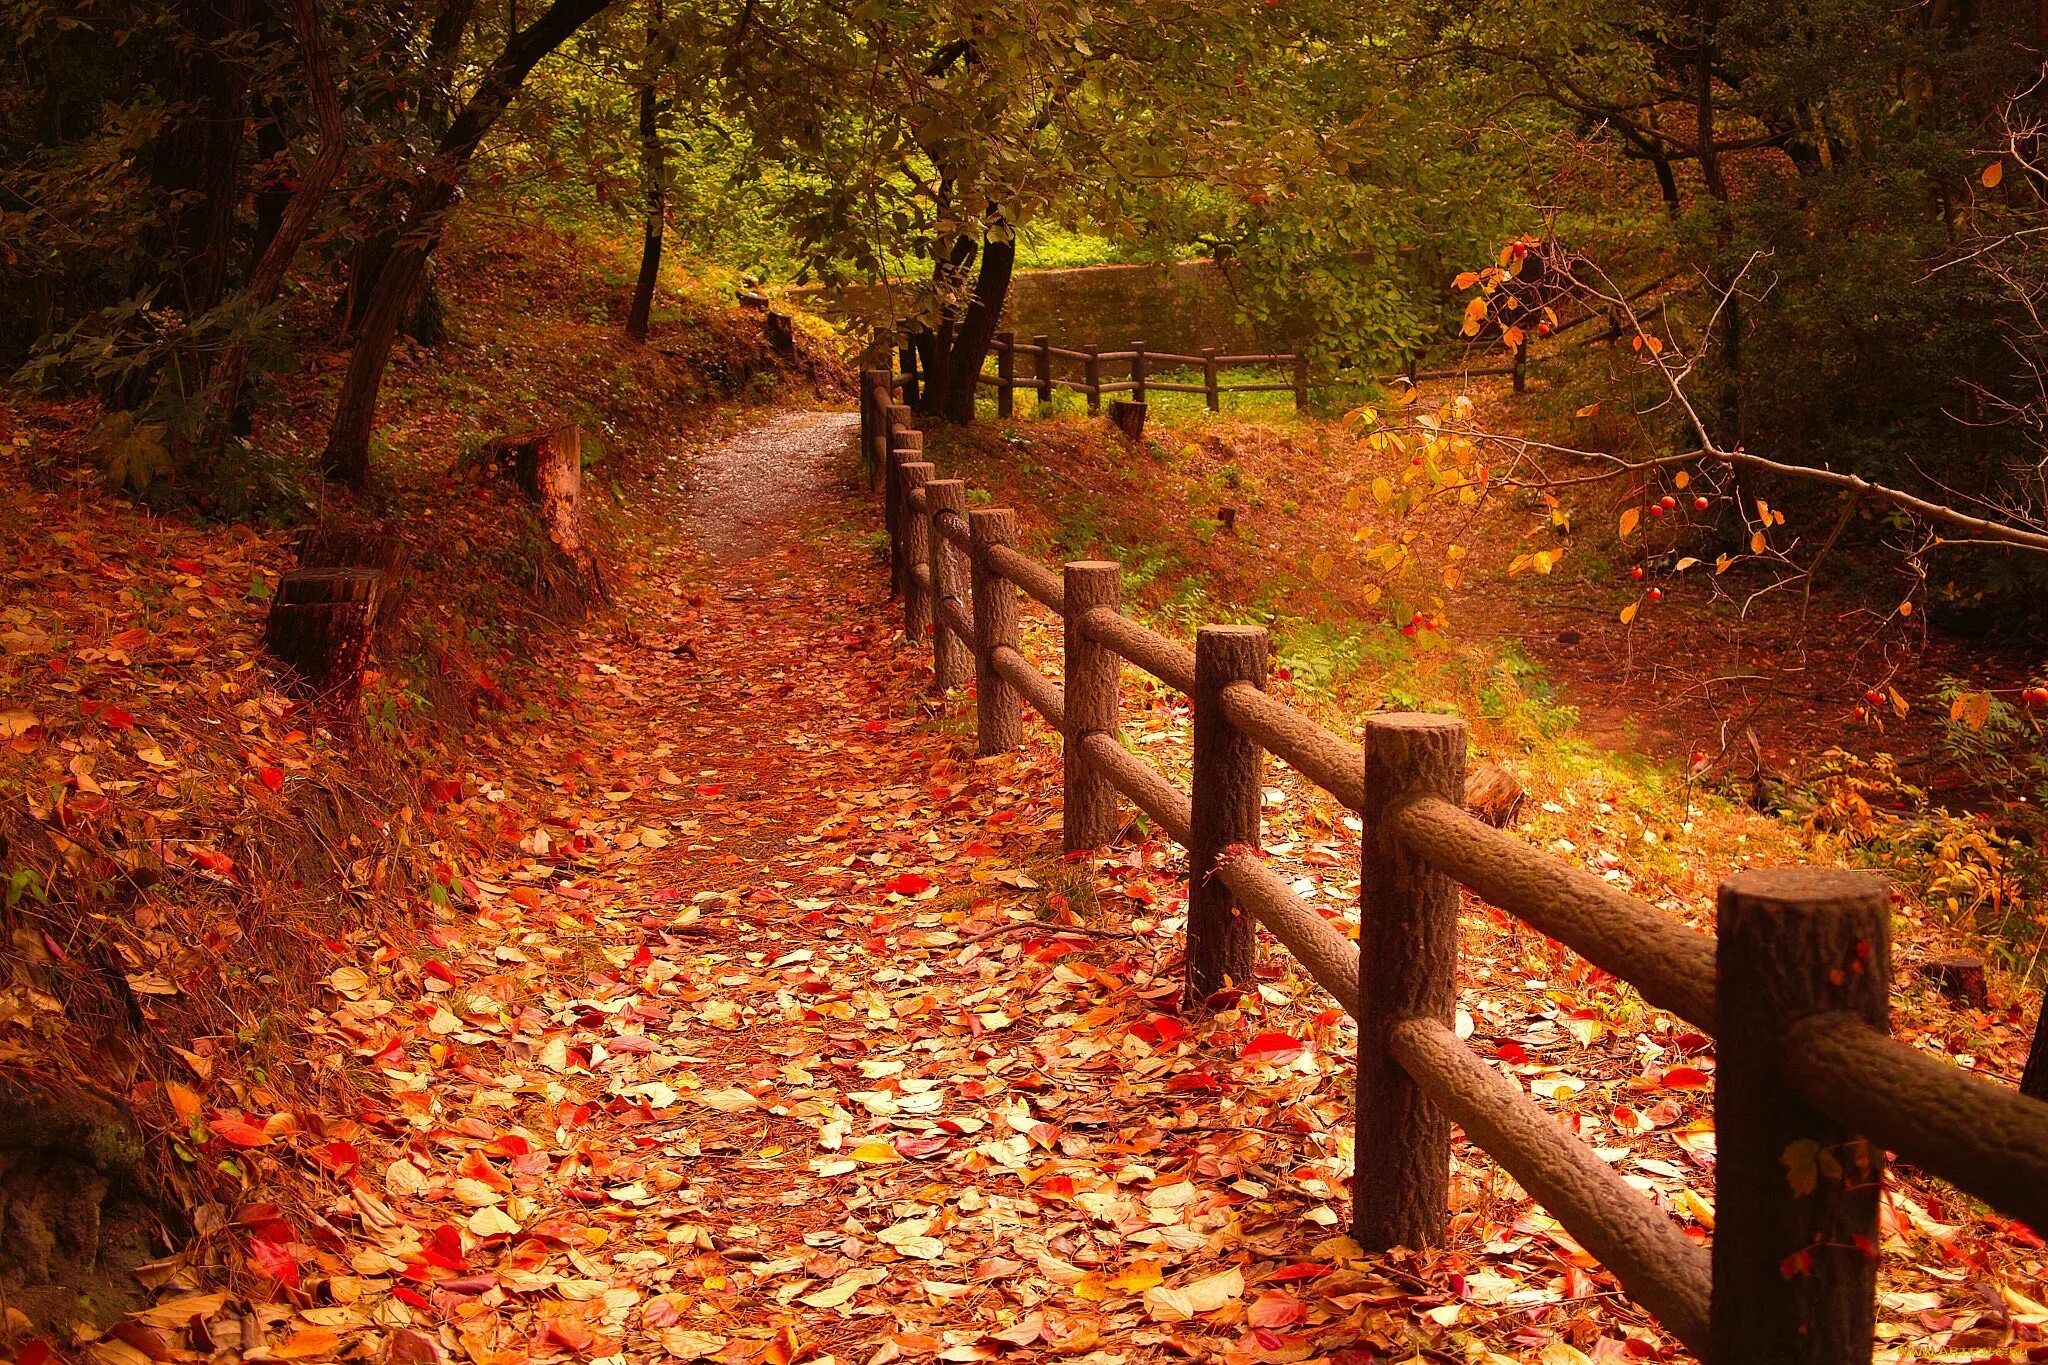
655,173
978,327
937,343
297,218
2034,1080
347,456
196,161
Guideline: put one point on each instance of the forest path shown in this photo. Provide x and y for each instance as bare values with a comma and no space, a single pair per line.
730,1050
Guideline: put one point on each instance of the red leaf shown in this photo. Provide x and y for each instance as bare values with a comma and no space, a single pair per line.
1686,1078
338,1157
272,777
274,1260
239,1131
1276,1049
1194,1080
190,566
907,884
118,718
1275,1309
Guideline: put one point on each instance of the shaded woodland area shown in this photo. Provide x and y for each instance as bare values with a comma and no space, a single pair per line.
512,850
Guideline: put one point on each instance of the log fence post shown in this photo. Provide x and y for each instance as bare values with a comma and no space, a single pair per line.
917,534
906,443
998,710
951,662
1006,371
1092,372
908,354
1795,1193
1137,371
1301,383
1210,392
1222,949
1092,671
1043,345
1407,961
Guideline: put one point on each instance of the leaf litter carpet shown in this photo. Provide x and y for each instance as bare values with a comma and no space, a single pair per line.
765,1023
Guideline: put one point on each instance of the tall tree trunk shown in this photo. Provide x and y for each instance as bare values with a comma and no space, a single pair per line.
937,342
296,219
656,175
978,326
197,159
432,85
347,456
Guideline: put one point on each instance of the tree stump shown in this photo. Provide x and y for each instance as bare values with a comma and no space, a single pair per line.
339,547
1493,794
780,329
547,464
1128,417
2034,1080
1961,979
320,625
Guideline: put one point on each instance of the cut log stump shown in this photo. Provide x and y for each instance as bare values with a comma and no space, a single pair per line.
547,464
320,625
1128,417
1493,794
780,329
1961,979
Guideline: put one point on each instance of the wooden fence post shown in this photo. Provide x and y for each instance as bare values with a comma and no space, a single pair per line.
1137,371
1407,960
908,355
1092,672
1795,1193
1092,372
1210,392
998,711
867,423
1006,371
951,662
1222,939
1043,345
1301,383
905,443
917,534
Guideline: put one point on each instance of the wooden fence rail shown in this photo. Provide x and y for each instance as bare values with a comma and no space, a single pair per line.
1795,988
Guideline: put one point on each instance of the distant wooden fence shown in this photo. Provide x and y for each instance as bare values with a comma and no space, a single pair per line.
1810,1089
1032,365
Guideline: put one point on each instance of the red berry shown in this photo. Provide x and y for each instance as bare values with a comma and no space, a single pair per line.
1656,594
1408,629
1656,509
1699,504
1859,713
1636,573
2035,696
1667,502
1874,697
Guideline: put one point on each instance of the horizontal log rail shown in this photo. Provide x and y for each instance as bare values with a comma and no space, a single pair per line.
1794,989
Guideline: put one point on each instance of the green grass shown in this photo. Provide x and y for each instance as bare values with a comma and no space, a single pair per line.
1176,409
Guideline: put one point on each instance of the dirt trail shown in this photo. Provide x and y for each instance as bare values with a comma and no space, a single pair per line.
712,1062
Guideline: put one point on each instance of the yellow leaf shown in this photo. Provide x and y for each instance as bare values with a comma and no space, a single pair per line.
1656,346
1137,1277
1993,173
1682,565
1628,613
1382,490
1756,542
1466,279
306,1343
1721,564
1683,478
1588,410
1972,708
1906,607
875,1153
1543,561
1371,593
1453,578
1630,516
1899,703
1323,564
185,1100
1455,553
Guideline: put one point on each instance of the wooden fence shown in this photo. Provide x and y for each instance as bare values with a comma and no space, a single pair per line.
1810,1090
